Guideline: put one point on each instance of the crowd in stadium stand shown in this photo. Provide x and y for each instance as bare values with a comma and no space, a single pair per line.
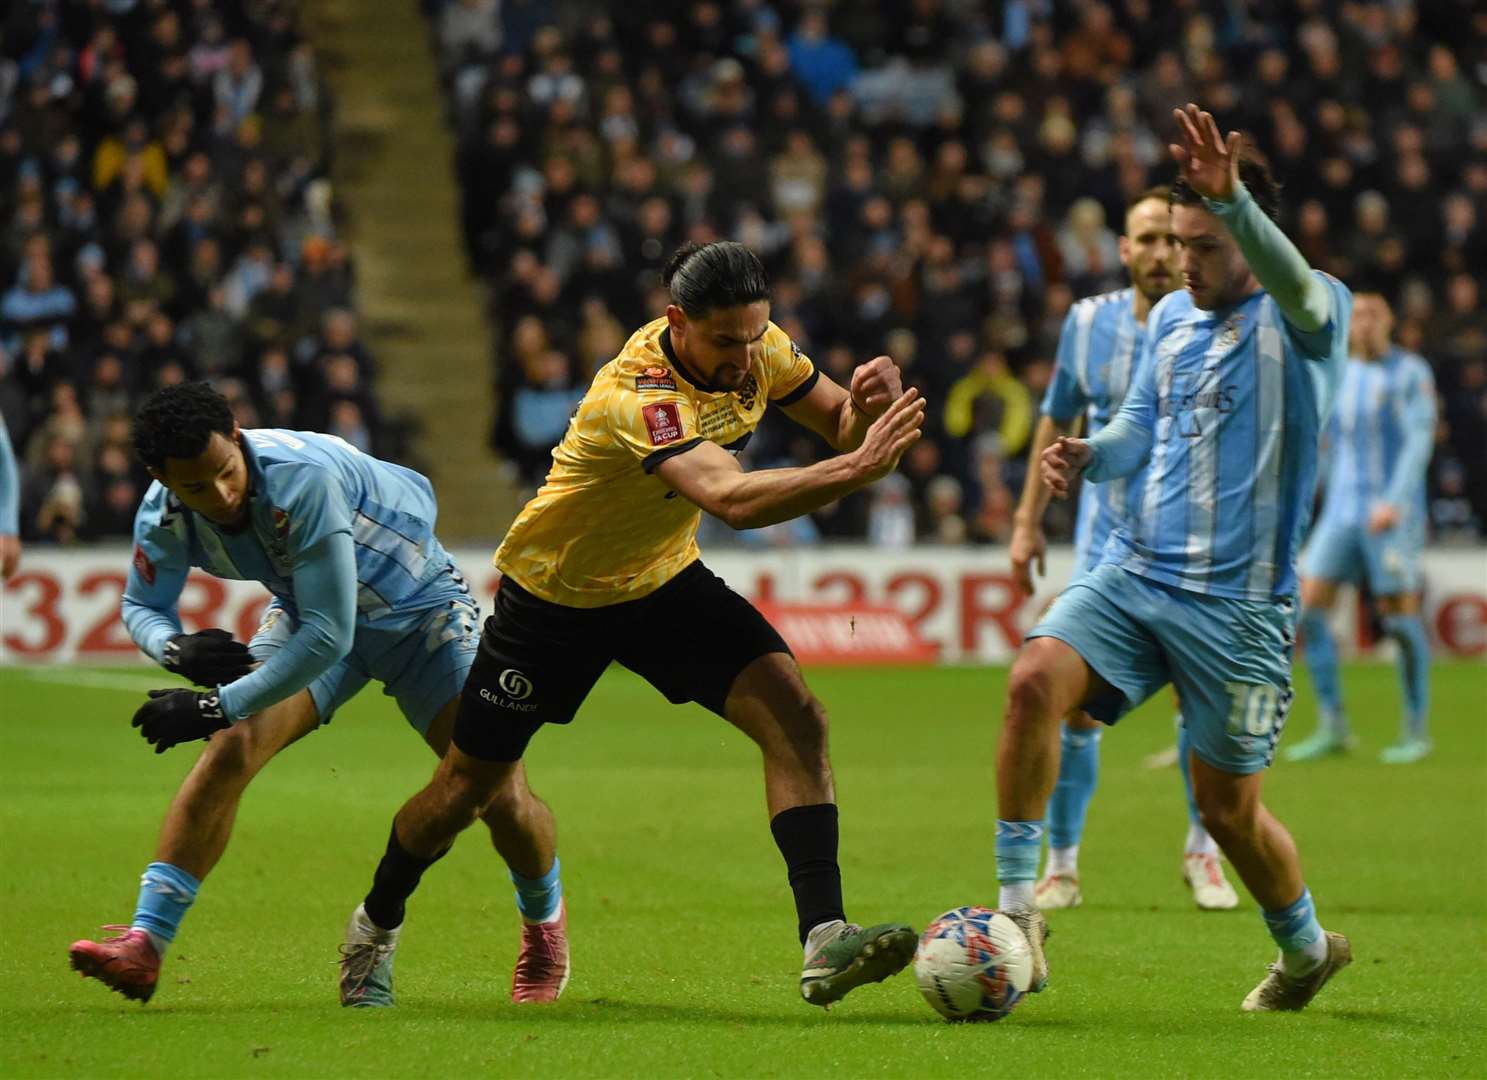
167,214
938,180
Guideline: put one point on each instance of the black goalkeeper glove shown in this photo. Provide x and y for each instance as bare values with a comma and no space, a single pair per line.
209,658
177,716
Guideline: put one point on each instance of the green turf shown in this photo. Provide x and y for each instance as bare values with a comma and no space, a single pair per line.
683,931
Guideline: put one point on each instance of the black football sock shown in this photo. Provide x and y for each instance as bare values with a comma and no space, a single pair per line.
807,837
397,876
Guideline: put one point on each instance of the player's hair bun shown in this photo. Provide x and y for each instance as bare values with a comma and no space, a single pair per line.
678,257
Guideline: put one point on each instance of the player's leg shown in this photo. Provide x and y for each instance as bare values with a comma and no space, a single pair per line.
1078,772
1202,869
737,665
1089,651
532,667
770,702
522,828
1331,557
1393,567
1231,661
521,825
192,838
1265,857
523,831
1400,615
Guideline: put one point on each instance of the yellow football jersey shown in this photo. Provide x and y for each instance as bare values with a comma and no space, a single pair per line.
603,529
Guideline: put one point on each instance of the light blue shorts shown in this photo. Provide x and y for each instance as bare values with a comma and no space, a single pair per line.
1229,659
1388,562
420,653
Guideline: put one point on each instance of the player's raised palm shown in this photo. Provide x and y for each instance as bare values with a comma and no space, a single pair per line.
1206,161
891,434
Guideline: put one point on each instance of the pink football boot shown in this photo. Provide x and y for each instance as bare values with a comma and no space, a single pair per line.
542,966
127,963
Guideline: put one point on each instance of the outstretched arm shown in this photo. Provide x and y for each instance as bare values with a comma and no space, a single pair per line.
710,477
1119,449
1210,166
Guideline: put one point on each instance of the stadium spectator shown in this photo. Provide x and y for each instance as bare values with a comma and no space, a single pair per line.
165,211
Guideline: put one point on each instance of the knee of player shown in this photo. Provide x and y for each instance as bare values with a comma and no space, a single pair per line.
813,718
806,723
465,794
1225,818
509,799
230,754
1030,691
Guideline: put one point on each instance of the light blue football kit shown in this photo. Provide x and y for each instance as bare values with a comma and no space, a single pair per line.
1197,587
1378,446
362,589
1379,443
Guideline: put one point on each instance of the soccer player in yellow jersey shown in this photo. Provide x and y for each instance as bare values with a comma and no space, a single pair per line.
603,565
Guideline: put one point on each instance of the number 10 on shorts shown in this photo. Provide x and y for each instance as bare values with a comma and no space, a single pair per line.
1253,708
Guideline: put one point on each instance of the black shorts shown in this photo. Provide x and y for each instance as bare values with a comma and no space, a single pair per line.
539,660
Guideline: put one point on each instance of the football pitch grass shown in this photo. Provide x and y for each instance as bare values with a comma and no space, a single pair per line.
685,960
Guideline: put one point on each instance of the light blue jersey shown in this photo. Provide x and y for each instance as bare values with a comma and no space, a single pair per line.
1098,351
10,486
1225,413
344,542
1379,442
1379,439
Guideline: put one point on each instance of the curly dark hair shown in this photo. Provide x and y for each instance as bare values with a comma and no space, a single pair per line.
178,422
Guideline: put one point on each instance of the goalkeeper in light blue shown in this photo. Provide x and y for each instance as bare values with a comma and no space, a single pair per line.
362,591
1197,588
1372,527
1098,350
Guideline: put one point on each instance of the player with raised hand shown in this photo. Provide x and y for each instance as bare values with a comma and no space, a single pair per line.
1098,350
1197,589
602,565
1372,527
362,590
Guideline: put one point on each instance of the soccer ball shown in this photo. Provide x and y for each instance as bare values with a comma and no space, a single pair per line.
973,963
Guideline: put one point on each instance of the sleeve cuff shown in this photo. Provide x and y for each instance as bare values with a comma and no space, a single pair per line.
1226,208
652,461
1091,468
802,390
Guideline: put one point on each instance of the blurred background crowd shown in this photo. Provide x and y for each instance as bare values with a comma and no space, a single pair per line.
937,180
168,214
